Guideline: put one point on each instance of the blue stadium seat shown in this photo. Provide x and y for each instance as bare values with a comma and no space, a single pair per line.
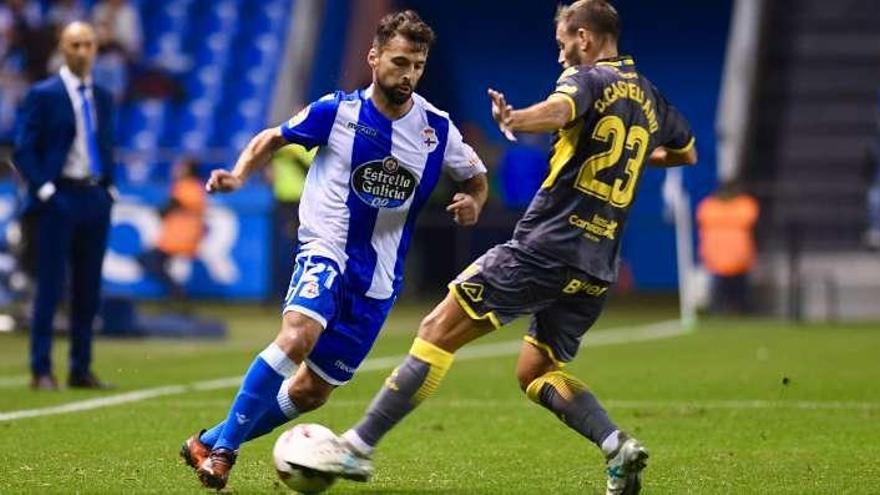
228,53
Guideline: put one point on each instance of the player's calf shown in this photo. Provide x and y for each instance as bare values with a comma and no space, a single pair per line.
308,391
574,404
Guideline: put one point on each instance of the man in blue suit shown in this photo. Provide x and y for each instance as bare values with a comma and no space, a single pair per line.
64,151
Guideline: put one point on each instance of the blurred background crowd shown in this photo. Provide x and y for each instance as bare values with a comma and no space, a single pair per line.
194,80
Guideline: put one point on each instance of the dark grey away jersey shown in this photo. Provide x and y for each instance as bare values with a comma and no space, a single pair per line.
618,118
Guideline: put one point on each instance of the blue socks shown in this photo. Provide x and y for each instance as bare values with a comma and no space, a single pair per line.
282,411
261,404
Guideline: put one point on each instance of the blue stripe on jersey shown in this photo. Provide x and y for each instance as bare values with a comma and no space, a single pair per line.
362,218
433,168
312,125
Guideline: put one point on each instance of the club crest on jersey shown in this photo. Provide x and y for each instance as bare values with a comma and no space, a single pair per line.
383,183
309,290
390,165
429,138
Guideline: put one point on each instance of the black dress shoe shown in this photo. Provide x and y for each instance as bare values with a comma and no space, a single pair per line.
44,382
87,380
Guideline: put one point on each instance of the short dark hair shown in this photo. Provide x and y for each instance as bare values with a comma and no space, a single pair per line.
598,16
406,23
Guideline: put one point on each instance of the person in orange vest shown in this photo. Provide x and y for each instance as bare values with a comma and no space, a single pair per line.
726,222
182,225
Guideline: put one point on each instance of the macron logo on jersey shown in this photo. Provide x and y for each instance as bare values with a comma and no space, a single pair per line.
365,130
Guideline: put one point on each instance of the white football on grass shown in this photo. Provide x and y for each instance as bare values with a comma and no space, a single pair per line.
294,445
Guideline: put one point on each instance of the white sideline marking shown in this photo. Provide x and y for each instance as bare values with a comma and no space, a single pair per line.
14,381
624,335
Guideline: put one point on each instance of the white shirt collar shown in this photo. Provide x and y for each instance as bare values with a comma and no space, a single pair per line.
72,81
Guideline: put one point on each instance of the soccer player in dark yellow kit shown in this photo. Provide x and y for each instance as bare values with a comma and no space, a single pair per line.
609,120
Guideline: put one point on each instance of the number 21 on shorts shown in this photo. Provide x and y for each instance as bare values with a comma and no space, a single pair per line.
314,277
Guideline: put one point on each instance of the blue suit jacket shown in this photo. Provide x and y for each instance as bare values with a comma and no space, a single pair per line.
46,129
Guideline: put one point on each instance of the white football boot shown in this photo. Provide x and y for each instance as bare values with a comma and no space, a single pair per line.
625,467
335,456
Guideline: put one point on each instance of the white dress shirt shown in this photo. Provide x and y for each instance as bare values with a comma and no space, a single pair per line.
77,165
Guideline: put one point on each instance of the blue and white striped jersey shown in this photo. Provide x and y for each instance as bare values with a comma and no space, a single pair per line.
369,181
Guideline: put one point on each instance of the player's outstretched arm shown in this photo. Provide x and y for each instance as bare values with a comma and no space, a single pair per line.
254,157
468,203
549,115
663,157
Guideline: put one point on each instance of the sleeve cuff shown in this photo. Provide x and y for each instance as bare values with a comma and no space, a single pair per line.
284,132
690,144
46,191
570,101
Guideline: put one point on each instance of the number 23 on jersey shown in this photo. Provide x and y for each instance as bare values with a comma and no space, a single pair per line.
611,129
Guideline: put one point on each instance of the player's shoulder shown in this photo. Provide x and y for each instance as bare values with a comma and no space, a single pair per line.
603,71
336,98
584,72
580,77
426,106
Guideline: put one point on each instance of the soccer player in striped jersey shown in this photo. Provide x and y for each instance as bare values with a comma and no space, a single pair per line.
609,121
381,152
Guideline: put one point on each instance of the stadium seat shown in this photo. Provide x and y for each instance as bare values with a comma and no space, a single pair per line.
210,44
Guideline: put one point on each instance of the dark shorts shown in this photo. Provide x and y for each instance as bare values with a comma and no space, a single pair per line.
510,281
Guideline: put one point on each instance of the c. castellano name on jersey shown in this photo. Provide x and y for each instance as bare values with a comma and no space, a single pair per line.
623,89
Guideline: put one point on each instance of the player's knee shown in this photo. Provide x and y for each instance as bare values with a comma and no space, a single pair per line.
298,335
532,366
430,328
438,330
449,328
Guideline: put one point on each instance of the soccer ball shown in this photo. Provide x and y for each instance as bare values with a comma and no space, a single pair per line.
295,444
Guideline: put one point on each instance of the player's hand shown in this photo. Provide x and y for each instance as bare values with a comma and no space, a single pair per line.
223,181
501,111
465,209
658,156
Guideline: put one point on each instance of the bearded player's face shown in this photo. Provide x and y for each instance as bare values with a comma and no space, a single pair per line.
569,46
397,68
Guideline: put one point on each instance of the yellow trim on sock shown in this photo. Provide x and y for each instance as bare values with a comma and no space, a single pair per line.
439,361
453,289
565,385
533,391
545,348
431,354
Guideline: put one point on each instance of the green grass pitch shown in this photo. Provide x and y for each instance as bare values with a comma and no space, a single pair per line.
711,406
